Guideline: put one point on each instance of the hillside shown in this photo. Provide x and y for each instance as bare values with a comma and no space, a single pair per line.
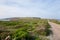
25,29
55,21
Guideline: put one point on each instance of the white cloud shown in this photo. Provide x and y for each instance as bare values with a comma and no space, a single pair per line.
8,11
39,8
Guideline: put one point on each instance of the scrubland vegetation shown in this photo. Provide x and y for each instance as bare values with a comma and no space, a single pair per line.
25,29
55,21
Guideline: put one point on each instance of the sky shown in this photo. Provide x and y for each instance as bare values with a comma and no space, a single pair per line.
30,8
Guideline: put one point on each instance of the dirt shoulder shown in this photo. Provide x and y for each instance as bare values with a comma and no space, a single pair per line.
56,30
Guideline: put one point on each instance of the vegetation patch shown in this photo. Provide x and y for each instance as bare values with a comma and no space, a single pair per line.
25,29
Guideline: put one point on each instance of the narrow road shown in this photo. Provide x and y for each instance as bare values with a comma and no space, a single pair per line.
56,31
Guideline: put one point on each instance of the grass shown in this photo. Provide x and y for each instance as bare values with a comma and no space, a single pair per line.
55,21
25,28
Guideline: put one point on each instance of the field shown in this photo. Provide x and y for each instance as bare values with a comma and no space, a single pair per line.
25,29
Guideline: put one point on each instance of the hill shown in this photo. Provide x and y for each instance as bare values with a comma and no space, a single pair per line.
26,28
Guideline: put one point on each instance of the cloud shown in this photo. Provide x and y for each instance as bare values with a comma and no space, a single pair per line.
30,8
7,11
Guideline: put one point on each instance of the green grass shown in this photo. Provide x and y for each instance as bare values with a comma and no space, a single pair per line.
26,28
55,21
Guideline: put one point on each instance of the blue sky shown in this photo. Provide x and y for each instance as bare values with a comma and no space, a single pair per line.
30,8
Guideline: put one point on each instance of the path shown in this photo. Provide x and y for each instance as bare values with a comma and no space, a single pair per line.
56,31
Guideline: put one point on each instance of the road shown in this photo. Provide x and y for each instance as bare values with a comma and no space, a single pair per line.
56,31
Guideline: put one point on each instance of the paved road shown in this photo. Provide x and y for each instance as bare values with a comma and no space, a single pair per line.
56,31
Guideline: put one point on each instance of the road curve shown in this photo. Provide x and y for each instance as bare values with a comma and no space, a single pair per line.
56,30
